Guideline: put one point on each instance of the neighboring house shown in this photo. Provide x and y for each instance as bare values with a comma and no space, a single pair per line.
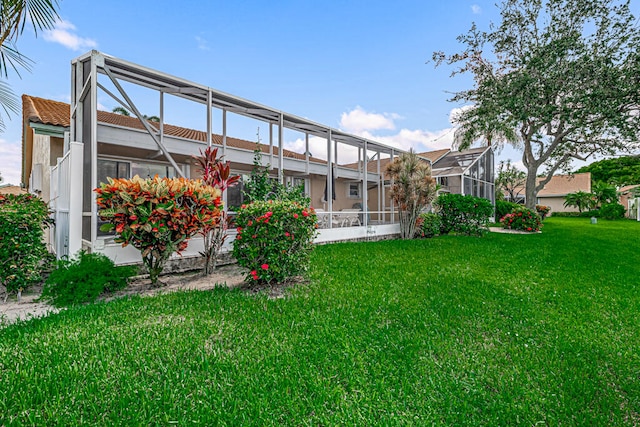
627,197
554,192
469,172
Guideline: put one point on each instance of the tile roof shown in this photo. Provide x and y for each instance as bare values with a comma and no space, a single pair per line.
57,113
561,185
627,188
45,111
11,189
436,155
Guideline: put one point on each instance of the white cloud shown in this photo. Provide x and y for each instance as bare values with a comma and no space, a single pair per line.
375,126
419,139
10,161
64,33
476,9
203,44
358,120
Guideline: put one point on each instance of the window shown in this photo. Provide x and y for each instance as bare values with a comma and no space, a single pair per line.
443,181
112,169
149,170
355,190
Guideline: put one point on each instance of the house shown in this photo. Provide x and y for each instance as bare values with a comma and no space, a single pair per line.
469,172
68,149
628,197
554,192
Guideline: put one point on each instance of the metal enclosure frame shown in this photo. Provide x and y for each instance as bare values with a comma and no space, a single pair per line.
85,72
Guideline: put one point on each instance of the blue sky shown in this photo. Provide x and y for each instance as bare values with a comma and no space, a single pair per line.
361,66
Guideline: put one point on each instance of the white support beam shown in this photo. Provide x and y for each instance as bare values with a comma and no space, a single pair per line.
365,187
94,146
280,149
306,152
143,121
224,132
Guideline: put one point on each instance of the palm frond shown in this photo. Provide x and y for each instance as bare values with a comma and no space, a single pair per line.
8,101
10,58
41,13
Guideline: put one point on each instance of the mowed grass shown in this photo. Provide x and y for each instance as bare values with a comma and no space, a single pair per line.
499,330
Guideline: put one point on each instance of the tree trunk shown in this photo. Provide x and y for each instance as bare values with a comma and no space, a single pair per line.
531,194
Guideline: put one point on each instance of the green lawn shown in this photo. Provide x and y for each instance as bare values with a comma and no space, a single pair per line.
499,330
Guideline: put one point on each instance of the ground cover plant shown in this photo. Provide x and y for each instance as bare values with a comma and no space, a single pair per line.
539,329
84,278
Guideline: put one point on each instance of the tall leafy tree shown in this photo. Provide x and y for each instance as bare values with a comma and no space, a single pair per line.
510,179
14,14
557,79
619,171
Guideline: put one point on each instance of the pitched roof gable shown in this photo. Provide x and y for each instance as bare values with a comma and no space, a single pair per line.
561,185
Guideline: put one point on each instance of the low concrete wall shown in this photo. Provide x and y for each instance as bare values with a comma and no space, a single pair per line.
192,260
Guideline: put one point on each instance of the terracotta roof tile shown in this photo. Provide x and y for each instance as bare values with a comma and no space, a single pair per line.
57,113
45,111
436,155
561,185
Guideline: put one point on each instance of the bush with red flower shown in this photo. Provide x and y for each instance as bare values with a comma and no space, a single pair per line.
543,211
522,219
274,240
157,215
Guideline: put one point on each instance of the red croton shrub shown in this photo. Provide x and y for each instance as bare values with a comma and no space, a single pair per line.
217,173
157,215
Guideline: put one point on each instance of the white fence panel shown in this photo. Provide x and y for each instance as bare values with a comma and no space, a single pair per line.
66,202
634,208
60,189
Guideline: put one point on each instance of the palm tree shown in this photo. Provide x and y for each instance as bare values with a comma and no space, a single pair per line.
604,193
580,199
412,190
14,14
124,112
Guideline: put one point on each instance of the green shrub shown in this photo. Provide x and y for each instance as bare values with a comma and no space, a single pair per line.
612,211
503,207
464,214
23,253
428,225
84,279
274,239
523,219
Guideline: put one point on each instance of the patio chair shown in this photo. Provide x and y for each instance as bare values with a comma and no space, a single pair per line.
348,217
323,218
